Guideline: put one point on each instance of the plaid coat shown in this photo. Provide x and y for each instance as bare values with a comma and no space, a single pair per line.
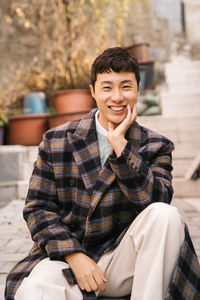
74,204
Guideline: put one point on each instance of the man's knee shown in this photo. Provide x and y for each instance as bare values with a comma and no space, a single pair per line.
162,212
158,216
44,273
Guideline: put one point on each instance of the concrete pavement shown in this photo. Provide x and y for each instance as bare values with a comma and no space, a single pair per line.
15,241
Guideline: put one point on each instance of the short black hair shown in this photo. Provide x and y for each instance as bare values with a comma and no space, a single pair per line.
115,59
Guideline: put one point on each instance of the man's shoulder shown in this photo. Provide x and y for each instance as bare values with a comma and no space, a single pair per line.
62,130
151,137
78,127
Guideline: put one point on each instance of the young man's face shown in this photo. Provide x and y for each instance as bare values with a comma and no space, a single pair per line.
113,92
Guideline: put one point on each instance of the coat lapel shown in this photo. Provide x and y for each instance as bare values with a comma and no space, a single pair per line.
105,179
106,175
86,151
86,154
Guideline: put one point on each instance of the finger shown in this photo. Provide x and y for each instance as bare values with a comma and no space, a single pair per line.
100,280
127,120
87,286
102,287
93,284
81,285
128,112
134,114
101,284
129,115
102,275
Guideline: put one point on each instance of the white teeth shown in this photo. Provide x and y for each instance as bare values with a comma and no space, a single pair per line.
117,108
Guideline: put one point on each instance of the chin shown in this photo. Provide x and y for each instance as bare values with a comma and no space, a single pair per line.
117,121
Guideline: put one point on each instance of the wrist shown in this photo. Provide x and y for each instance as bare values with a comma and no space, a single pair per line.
71,256
118,145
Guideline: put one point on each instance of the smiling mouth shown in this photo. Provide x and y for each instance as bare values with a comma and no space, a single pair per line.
117,108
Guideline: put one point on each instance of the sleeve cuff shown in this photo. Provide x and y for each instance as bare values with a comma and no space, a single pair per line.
128,158
57,249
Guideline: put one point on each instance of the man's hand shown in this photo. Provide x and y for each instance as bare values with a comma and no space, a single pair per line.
116,136
88,274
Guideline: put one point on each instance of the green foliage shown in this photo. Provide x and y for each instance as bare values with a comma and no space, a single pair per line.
3,119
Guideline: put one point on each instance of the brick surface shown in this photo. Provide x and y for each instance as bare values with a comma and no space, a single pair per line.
15,241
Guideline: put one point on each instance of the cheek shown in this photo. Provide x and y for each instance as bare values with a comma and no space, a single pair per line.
101,105
101,101
133,99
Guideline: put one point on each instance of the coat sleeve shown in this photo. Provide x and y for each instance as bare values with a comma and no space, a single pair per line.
42,212
145,181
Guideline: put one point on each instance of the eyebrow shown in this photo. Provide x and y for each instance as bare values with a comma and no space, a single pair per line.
122,82
127,81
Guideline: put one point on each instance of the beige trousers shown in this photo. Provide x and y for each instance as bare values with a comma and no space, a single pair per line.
141,265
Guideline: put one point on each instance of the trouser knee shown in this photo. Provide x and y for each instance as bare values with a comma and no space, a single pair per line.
162,212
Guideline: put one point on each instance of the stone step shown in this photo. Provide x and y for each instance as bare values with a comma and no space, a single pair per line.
186,150
182,76
16,162
179,130
161,123
2,289
194,168
188,109
178,105
13,190
181,167
179,87
182,66
184,188
11,161
176,98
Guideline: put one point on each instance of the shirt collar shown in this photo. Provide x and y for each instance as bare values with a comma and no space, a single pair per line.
99,127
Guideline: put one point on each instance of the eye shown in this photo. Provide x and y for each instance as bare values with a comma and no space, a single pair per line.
127,86
106,88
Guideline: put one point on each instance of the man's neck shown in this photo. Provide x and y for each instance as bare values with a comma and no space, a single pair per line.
99,127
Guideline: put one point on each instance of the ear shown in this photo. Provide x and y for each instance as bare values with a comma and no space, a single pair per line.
92,90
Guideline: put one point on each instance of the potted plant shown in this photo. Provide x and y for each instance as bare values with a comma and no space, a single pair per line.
26,129
141,52
57,119
28,124
70,105
3,123
66,46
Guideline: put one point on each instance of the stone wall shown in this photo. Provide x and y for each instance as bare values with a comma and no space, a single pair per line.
192,17
17,44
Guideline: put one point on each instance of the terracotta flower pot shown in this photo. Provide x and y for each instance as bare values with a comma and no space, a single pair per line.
1,135
26,129
74,100
58,119
139,51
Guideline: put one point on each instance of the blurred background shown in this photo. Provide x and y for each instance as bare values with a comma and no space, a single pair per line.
49,45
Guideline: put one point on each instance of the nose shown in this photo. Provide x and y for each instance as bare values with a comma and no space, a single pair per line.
116,95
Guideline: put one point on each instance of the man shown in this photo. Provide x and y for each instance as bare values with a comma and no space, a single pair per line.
97,206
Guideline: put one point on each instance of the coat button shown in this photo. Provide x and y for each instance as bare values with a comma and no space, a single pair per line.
119,222
72,182
72,226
